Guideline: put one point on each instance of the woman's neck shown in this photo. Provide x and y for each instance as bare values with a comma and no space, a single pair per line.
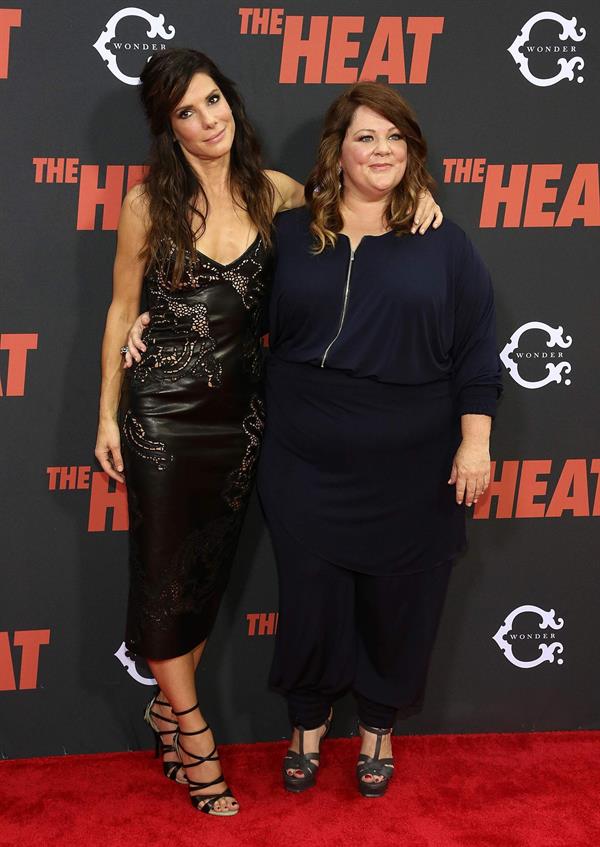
214,175
363,213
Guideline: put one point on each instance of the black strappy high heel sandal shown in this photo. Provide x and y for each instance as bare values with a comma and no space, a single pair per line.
374,766
202,802
308,763
172,770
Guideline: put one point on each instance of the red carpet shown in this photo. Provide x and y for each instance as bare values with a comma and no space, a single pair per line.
521,790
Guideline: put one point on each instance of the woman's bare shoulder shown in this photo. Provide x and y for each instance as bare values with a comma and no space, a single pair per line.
290,192
135,211
137,200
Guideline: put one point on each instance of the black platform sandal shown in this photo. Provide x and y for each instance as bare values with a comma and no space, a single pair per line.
172,770
308,763
374,766
202,802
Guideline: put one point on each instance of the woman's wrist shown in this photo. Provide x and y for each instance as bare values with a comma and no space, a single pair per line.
476,429
107,415
476,440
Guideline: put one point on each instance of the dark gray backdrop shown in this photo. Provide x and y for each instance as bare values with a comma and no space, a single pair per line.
63,587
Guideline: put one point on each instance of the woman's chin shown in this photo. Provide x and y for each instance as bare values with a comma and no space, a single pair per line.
382,186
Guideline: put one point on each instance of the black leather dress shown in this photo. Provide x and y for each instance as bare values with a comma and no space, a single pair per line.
191,422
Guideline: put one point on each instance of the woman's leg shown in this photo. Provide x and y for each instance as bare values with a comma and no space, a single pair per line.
315,646
165,721
397,620
177,681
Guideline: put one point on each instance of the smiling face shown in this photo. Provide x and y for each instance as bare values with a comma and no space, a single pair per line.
373,156
202,121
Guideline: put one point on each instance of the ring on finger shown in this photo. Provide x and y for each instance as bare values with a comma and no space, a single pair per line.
124,351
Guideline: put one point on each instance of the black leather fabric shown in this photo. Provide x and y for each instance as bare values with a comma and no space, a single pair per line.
192,421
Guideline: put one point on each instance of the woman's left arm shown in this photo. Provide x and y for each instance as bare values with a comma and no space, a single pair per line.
476,374
289,194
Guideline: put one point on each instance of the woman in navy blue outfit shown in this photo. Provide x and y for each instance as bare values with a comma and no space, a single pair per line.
381,387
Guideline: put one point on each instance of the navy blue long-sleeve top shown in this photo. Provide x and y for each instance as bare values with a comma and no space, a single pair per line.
399,309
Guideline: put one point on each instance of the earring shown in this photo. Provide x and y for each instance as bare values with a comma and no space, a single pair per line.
340,173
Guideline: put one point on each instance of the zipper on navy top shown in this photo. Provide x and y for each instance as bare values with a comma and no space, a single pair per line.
344,307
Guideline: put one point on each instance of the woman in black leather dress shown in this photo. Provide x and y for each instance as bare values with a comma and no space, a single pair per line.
196,235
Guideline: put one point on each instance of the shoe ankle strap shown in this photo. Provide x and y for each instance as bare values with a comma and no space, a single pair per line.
379,732
376,730
196,732
186,711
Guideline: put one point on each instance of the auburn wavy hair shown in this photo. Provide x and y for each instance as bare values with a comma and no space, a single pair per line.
173,190
324,188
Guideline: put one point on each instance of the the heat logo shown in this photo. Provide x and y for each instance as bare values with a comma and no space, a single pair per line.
544,638
331,46
512,356
522,196
262,623
155,30
9,19
524,48
525,194
541,488
99,188
107,497
15,676
13,364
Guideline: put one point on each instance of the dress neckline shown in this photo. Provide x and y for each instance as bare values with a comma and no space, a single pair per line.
235,261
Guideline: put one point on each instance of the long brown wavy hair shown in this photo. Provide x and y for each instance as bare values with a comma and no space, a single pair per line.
173,189
324,188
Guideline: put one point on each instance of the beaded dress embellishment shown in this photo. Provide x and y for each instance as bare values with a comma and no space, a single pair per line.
196,353
146,448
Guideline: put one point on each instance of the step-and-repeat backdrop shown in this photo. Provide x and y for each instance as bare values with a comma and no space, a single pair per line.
507,95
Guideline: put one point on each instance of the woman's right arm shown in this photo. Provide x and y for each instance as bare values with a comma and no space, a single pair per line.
128,274
289,194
